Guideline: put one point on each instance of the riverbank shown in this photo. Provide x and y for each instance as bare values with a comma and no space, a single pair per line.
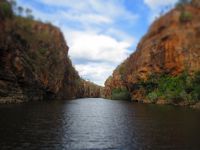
164,102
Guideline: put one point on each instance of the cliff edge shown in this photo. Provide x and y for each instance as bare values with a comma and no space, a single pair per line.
171,48
34,62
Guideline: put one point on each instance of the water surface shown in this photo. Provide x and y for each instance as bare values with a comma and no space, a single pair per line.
98,124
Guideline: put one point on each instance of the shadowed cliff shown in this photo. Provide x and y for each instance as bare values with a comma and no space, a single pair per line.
34,62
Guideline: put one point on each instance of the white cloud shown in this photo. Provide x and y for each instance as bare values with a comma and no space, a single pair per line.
120,35
91,30
97,72
156,4
100,11
87,18
113,9
98,54
97,47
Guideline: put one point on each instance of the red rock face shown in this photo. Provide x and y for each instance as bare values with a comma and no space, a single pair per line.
34,55
170,46
34,63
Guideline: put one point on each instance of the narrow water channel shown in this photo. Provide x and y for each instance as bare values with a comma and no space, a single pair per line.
98,124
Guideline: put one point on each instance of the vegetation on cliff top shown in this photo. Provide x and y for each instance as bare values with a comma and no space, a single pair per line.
5,10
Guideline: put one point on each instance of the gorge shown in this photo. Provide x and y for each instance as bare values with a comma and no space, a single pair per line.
46,102
164,69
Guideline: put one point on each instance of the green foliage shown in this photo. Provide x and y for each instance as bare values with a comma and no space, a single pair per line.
29,14
20,9
120,94
13,3
196,86
31,17
5,9
28,11
184,1
153,96
181,3
175,89
151,84
171,87
42,51
185,16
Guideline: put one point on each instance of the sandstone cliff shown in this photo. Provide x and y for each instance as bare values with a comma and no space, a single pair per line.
89,89
34,62
171,46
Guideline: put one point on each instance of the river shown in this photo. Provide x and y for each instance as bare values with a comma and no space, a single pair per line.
98,124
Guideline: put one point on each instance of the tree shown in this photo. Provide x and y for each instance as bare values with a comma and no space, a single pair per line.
13,3
29,14
31,17
5,10
181,3
28,11
184,1
20,10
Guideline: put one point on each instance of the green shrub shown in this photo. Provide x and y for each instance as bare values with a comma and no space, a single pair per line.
120,94
153,96
42,51
196,86
179,6
185,16
189,97
171,87
31,17
175,89
197,78
151,84
5,9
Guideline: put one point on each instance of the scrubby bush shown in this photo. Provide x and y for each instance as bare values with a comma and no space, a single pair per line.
180,88
5,10
31,17
120,94
181,3
153,96
42,51
196,86
184,1
185,16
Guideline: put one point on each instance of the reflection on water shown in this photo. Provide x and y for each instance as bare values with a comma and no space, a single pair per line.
98,124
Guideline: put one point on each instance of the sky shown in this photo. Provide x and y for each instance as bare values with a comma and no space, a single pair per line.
101,34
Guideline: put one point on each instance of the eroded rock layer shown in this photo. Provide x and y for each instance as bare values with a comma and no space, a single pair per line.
34,62
171,46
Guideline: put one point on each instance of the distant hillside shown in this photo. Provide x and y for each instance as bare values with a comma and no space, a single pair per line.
164,68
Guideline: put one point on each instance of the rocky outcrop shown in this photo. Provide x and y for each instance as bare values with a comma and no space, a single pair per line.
34,63
171,46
